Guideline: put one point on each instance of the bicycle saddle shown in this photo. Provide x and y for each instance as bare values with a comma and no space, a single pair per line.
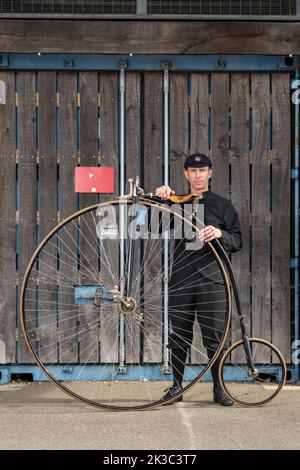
181,198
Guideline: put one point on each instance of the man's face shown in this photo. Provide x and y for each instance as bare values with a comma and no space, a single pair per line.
198,177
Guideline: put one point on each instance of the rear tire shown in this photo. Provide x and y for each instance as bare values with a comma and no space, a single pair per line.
253,390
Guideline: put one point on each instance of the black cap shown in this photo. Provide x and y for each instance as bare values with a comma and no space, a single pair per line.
197,160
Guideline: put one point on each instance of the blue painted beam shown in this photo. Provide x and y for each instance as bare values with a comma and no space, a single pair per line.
185,62
134,372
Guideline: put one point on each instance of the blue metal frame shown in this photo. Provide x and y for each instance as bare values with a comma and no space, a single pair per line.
91,373
188,63
295,183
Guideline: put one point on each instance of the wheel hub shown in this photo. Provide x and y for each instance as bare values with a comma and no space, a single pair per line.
128,307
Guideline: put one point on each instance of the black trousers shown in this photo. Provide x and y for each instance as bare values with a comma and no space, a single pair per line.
196,288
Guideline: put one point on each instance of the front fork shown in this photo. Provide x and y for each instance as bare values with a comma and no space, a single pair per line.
252,371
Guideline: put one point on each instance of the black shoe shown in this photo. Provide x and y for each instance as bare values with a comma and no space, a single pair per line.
170,392
220,397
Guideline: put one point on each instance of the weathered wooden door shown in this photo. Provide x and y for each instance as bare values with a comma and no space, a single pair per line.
50,122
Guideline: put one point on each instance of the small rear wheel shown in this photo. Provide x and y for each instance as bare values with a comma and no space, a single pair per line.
258,387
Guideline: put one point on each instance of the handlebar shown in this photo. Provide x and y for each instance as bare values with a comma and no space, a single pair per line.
174,198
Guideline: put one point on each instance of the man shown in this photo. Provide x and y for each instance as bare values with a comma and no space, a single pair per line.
222,223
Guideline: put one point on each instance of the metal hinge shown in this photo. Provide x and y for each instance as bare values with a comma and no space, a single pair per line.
294,262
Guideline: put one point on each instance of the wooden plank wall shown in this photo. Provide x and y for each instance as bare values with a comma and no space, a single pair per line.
67,161
260,210
8,219
140,37
280,223
50,123
27,201
88,314
153,172
199,122
108,156
240,191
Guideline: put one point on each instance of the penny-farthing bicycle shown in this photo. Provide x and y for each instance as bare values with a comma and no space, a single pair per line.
94,308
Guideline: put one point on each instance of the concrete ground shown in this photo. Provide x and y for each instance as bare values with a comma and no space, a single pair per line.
40,416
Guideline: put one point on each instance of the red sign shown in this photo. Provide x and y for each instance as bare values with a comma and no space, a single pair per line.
94,179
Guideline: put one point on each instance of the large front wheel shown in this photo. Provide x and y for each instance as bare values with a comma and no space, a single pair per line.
94,304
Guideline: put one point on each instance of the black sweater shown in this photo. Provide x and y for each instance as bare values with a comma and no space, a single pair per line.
218,212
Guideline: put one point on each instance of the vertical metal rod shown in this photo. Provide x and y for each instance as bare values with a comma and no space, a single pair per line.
166,126
123,208
296,215
122,126
166,67
297,8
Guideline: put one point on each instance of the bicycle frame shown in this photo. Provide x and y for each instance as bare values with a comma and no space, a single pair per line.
241,317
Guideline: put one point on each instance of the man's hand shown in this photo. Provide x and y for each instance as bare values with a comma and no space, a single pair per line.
209,233
164,192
